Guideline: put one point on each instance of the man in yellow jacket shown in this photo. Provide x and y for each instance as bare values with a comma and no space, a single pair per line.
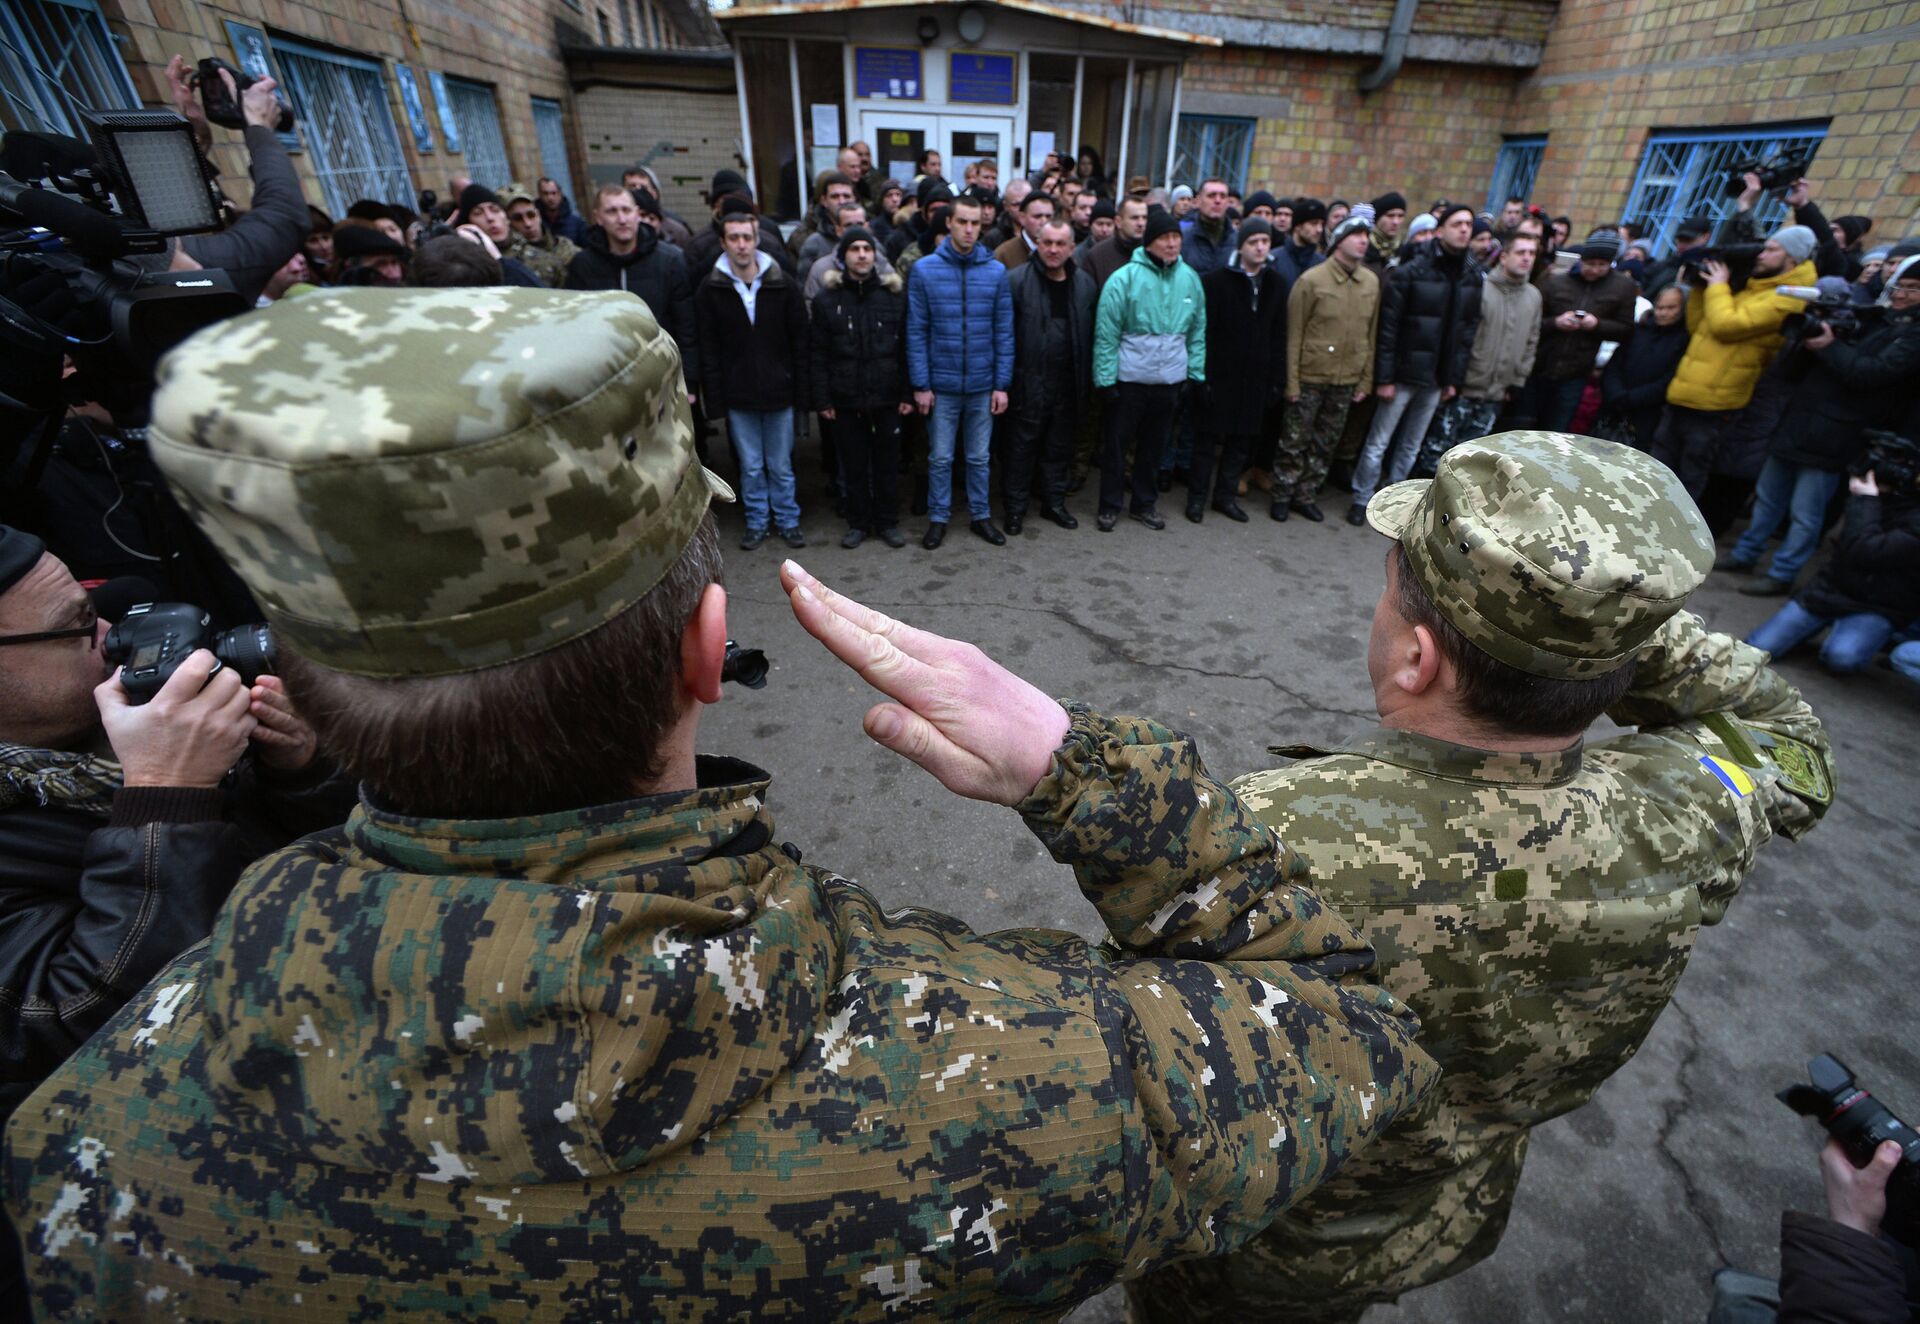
1735,335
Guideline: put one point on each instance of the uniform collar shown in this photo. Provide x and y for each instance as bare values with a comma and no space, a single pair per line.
1443,758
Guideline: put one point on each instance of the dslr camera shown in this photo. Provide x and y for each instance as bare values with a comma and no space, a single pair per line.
151,641
1777,172
1861,1123
1893,460
223,106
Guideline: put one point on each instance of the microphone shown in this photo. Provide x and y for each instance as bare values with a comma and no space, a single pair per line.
86,231
112,598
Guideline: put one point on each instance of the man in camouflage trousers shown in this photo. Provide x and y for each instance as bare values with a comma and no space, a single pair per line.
1534,899
1333,313
554,1027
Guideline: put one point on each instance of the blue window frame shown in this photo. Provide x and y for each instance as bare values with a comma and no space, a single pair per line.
1683,173
1515,169
348,125
56,58
1211,145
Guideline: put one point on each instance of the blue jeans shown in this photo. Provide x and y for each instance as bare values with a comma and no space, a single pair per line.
1393,442
1851,644
971,417
763,441
1795,493
1906,660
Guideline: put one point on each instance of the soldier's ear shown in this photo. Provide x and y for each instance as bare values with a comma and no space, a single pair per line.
703,647
1418,664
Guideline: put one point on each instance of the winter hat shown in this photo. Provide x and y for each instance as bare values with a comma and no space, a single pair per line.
1601,244
473,195
1253,225
644,199
1260,198
1798,240
1854,227
1360,218
853,234
19,553
1180,192
1694,227
1308,209
1160,221
1879,254
365,241
1420,224
1103,210
725,182
366,209
931,189
1446,213
1387,202
736,204
1482,225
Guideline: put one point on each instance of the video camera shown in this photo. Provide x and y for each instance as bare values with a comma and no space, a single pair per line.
151,641
1777,172
1861,1123
1739,259
74,217
1893,460
1829,303
222,105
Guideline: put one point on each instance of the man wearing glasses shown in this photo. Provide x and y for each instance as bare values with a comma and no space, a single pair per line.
122,827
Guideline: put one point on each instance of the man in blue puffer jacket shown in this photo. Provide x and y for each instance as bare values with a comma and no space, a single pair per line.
960,360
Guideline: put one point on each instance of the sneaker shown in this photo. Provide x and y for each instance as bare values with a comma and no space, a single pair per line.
892,536
853,538
791,536
1149,517
751,539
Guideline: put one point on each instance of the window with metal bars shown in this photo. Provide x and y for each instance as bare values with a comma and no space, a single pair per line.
479,118
350,134
550,126
1213,145
56,58
1684,173
1515,169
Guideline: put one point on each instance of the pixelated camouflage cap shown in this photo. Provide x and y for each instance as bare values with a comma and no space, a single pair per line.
421,482
1558,555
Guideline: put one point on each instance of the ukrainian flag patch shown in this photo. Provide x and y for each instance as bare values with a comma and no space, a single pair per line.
1731,775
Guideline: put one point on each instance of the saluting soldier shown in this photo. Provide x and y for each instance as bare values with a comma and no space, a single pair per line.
1532,896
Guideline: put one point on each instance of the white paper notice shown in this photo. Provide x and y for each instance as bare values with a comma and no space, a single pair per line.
1038,145
826,124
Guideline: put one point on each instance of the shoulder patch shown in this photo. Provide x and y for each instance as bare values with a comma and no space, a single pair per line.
1801,770
1730,775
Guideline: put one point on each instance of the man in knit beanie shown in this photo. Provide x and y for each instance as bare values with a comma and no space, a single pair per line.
1735,334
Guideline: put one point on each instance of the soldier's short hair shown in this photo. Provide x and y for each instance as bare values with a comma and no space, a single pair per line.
453,261
1501,695
579,724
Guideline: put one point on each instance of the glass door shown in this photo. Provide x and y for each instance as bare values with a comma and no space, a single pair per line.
971,138
897,139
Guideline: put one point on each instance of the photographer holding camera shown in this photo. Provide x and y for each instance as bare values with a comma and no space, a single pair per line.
121,825
275,225
1743,227
1853,370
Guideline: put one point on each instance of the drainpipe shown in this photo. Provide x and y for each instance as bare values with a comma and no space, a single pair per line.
1396,49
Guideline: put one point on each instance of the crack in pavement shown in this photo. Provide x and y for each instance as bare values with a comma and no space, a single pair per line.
1112,643
1670,1115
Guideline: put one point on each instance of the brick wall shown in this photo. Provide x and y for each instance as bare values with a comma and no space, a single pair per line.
1614,69
680,121
1432,132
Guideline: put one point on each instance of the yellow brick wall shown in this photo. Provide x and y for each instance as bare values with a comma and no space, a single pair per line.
1615,69
510,45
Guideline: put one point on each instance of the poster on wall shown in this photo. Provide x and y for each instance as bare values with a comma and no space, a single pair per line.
416,108
252,53
890,73
443,101
982,78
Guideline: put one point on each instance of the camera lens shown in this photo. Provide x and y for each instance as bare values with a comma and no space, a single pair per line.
248,650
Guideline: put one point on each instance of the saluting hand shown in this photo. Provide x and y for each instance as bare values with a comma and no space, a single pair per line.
981,730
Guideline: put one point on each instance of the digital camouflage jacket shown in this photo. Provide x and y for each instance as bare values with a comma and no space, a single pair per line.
1536,911
637,1062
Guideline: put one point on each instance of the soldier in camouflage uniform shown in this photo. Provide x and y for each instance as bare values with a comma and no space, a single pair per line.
633,1060
542,251
1534,899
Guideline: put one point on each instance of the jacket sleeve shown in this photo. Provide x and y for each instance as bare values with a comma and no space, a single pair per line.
1367,379
1386,336
918,329
1197,335
684,330
1828,257
271,230
1299,305
1832,1274
150,882
798,349
1891,368
1616,316
1712,691
1278,355
1532,351
1729,319
1003,334
713,386
1106,330
819,359
1866,540
1257,1052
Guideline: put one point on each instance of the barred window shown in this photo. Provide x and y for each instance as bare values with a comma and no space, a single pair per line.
550,125
1515,170
1213,145
56,58
1684,172
351,139
479,118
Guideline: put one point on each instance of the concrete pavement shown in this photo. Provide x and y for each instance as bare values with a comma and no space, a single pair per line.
1252,635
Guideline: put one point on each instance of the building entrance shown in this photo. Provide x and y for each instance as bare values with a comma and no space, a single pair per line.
899,137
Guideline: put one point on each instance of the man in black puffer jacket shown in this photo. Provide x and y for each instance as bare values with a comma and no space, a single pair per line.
1844,389
858,346
623,252
1429,312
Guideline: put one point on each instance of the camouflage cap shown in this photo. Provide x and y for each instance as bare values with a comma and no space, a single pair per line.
422,482
1558,555
515,191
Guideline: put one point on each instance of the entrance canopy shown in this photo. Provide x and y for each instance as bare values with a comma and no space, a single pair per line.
1005,82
